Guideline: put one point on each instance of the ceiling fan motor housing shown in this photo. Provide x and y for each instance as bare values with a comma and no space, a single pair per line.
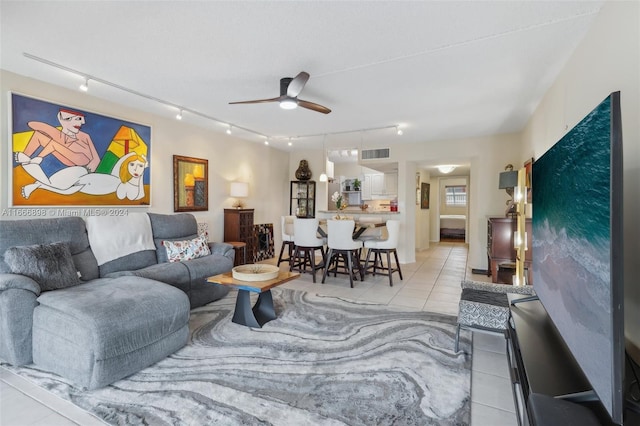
284,85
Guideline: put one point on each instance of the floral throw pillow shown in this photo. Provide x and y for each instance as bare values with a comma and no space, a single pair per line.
178,251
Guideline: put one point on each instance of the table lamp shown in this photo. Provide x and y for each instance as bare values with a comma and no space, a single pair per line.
509,180
239,190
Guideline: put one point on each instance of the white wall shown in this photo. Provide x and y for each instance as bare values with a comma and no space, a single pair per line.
487,156
607,60
264,168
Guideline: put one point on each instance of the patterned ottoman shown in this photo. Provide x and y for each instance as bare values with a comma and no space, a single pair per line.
484,306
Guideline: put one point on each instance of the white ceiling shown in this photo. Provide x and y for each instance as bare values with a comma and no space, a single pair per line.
439,70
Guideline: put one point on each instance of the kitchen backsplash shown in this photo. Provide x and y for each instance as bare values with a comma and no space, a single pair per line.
375,206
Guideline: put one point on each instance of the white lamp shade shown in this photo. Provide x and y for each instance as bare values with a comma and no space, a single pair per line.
239,189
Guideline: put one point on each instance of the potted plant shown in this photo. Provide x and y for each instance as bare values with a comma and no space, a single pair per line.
356,184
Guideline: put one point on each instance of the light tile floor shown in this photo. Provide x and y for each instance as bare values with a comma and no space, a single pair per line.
432,283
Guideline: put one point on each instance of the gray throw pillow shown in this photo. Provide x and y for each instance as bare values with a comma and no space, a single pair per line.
50,265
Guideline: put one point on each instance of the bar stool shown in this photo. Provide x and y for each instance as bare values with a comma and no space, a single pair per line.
342,245
286,229
369,233
306,243
387,246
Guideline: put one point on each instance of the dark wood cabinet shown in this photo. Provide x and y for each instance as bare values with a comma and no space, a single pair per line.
238,226
500,248
302,198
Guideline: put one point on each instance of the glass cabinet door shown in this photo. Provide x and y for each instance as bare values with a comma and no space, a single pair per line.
302,198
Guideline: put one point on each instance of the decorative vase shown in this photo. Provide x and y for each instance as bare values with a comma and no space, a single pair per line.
303,172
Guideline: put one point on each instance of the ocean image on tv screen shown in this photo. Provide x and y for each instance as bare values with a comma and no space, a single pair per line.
571,243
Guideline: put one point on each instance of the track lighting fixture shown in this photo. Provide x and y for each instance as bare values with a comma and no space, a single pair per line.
85,86
287,104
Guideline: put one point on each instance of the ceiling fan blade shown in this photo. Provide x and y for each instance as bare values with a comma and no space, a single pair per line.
259,101
297,84
313,106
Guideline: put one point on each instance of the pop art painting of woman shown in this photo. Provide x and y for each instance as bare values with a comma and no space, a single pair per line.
66,156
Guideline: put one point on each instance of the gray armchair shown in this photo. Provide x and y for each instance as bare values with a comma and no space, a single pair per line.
484,306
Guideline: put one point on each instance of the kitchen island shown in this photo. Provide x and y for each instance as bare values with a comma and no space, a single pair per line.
357,212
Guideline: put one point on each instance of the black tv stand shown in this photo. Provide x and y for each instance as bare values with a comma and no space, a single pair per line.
544,375
515,301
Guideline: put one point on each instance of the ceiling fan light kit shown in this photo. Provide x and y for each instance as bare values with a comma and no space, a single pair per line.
288,104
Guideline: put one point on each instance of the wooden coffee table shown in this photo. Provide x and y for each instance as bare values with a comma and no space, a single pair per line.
262,312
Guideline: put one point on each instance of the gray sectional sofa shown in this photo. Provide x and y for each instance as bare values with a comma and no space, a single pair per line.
99,323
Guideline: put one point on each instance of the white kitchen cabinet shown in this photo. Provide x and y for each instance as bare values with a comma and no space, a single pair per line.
366,188
391,184
377,184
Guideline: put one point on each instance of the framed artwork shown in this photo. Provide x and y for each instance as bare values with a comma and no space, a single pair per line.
62,155
424,195
190,184
528,167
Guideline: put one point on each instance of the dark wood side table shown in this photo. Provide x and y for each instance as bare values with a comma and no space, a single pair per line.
238,246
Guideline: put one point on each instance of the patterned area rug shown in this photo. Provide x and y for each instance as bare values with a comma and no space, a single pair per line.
323,361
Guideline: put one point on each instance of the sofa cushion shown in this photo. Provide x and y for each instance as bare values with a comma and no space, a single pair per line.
175,274
45,231
80,331
130,262
171,227
50,265
178,251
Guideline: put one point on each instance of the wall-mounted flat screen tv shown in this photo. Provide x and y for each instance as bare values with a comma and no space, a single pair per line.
577,247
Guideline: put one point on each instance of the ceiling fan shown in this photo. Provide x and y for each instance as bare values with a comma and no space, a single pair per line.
290,88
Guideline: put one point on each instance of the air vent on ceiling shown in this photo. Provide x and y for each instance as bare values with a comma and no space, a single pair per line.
374,154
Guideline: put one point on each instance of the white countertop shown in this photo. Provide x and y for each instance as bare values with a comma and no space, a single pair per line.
355,212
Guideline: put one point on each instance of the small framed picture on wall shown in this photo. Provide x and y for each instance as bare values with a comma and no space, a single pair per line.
424,196
190,184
